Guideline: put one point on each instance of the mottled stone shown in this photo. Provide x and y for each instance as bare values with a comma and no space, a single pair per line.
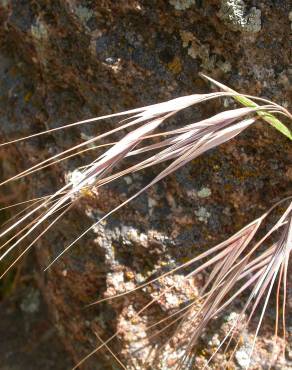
31,301
236,16
182,4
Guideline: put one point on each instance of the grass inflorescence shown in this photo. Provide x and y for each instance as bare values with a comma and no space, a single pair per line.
239,264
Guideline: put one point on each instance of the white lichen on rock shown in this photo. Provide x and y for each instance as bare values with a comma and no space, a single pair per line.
116,280
182,4
182,290
84,14
40,36
236,16
128,180
39,30
243,356
31,302
202,214
74,177
204,192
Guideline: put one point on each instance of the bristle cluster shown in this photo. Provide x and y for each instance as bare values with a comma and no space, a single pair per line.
235,264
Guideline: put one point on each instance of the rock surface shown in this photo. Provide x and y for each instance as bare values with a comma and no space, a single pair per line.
62,61
28,340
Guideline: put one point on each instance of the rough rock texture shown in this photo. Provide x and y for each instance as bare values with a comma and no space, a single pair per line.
26,332
62,61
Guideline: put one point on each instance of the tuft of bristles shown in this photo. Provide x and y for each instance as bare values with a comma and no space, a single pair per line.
235,264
